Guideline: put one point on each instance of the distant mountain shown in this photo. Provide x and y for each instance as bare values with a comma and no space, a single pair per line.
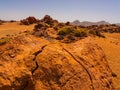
87,23
76,22
117,24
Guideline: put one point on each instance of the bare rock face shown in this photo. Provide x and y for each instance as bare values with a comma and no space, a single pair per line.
31,63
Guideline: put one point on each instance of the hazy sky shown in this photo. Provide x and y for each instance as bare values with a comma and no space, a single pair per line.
63,10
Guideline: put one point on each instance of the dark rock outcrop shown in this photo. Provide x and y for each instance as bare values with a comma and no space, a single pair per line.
112,28
31,63
48,20
41,28
29,20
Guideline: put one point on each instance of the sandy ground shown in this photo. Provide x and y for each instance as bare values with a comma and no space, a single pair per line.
13,28
111,47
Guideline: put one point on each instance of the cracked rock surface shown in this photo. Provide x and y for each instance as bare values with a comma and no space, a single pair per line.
31,63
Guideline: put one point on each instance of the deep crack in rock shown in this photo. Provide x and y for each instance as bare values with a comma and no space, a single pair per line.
35,67
34,59
38,52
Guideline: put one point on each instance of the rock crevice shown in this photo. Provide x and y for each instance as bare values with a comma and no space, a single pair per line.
35,55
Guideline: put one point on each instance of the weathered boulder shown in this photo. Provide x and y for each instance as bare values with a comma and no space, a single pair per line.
31,63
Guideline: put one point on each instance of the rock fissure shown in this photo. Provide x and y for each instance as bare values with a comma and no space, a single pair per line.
38,52
34,59
90,77
35,67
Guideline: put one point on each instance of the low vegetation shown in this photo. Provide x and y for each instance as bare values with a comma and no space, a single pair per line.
96,33
66,30
75,33
70,30
4,41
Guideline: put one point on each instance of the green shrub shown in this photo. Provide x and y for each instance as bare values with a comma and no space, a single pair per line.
93,32
80,33
66,30
4,41
96,33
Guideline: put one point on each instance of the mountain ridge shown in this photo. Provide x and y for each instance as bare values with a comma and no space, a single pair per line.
88,23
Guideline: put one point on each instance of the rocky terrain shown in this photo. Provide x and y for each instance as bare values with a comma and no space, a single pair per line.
31,63
112,28
54,56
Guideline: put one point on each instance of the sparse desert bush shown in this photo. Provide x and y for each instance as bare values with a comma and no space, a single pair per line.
12,21
60,25
67,23
93,32
96,33
81,32
4,41
99,34
71,33
71,37
69,30
60,37
66,30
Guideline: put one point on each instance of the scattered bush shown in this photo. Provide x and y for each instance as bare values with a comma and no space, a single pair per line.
69,30
71,37
4,41
67,23
12,21
93,32
96,33
81,32
60,37
66,30
70,33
